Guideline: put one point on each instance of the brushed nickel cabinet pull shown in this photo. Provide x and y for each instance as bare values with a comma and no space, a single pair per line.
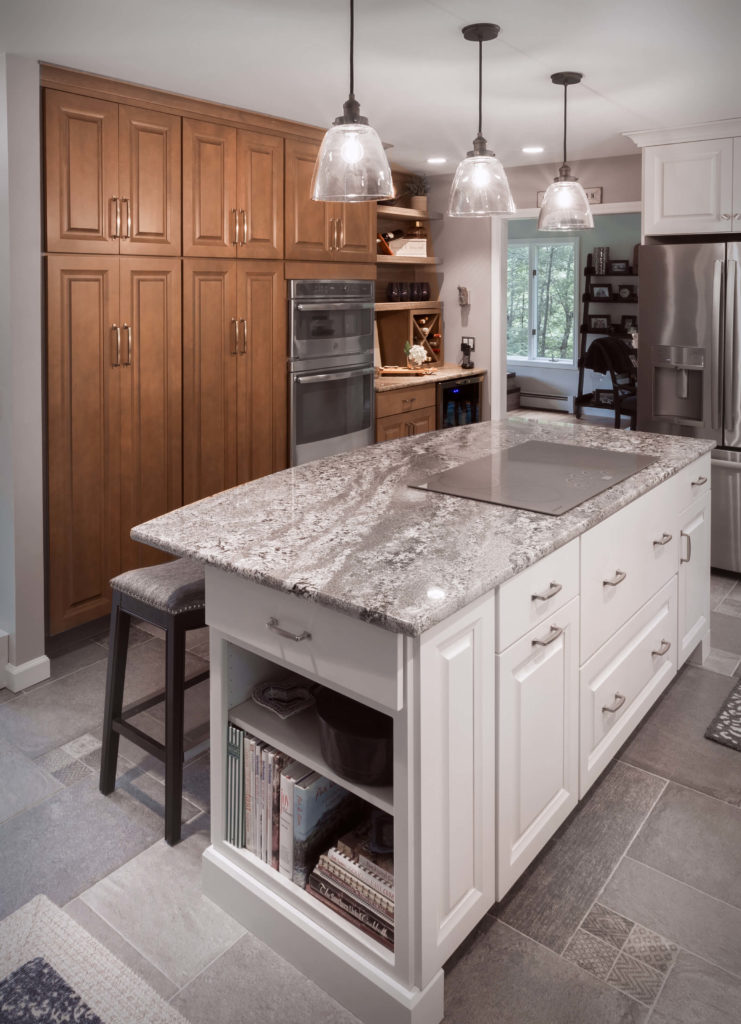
244,227
235,350
699,482
554,634
297,637
117,229
665,538
689,547
117,329
664,647
618,703
725,216
616,579
128,217
341,223
244,335
236,226
553,589
127,327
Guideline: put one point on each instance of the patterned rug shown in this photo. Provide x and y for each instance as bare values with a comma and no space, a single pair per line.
53,972
725,728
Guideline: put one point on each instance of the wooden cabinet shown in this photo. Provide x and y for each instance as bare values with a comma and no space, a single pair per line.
232,192
112,177
344,232
113,412
404,412
692,187
234,373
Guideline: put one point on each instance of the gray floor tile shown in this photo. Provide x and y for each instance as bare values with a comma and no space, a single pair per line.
607,925
197,638
24,783
72,660
116,944
721,586
137,635
64,845
82,746
69,774
725,632
721,662
591,953
167,882
250,984
695,838
731,605
650,948
635,978
683,915
697,993
142,798
6,695
552,898
502,977
671,740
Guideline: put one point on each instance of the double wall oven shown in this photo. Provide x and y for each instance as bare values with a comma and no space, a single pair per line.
330,367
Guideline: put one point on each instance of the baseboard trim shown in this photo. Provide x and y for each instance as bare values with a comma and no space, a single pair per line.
20,677
558,403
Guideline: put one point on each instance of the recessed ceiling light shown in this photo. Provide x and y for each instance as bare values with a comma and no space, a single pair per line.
437,159
532,149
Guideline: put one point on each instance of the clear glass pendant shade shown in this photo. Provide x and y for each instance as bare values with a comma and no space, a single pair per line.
480,188
565,208
352,166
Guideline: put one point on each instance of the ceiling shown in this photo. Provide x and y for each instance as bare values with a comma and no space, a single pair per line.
646,64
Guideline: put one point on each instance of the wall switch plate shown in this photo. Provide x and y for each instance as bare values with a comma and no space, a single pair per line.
469,341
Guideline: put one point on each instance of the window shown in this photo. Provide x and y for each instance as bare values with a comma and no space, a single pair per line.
541,300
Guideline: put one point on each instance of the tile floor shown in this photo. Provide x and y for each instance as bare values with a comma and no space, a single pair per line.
632,913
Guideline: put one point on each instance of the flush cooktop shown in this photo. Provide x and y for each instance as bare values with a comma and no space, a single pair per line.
539,476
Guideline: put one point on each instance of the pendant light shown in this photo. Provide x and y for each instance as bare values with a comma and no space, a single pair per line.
351,166
480,187
565,204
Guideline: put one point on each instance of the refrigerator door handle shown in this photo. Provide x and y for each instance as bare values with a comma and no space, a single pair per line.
716,398
730,397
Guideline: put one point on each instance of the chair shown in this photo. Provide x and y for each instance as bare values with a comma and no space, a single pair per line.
172,597
615,356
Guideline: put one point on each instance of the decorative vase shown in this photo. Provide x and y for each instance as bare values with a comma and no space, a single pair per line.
418,203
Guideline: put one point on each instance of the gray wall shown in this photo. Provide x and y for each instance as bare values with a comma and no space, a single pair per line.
619,177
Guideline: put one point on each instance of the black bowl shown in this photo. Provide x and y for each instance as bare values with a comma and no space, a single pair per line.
356,741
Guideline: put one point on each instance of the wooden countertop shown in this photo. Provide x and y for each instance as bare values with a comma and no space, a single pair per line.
449,371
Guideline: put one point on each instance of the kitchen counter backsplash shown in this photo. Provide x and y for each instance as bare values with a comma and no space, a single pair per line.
349,533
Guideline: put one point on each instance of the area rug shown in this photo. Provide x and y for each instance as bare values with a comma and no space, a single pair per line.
725,728
53,972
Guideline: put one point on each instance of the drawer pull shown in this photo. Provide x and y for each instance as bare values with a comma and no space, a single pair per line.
273,624
617,578
664,647
665,538
552,590
619,701
689,547
554,634
699,482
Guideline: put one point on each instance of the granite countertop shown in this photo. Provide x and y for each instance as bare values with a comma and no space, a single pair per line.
349,533
447,372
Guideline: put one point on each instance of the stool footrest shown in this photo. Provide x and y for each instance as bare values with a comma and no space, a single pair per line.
141,739
157,698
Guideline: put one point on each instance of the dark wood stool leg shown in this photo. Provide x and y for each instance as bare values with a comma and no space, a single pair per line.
174,726
117,650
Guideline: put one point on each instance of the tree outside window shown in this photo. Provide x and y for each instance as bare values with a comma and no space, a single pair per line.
541,300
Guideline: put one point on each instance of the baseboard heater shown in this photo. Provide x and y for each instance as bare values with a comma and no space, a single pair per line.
533,400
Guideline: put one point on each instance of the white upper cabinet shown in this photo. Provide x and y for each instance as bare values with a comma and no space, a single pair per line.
688,188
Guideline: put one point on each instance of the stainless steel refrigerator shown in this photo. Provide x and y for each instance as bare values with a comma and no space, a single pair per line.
689,366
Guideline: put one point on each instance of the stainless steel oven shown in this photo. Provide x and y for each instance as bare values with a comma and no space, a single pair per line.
331,367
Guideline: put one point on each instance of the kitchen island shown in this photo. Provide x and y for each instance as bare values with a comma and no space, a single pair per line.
514,652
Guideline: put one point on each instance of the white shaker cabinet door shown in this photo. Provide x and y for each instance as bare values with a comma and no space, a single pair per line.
537,740
694,573
688,187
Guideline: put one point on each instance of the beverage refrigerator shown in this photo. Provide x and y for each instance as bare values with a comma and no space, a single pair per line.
689,366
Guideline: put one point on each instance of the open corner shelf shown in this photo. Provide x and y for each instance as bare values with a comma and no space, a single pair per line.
405,213
409,260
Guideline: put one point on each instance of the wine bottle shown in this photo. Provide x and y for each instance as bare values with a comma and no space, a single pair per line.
389,236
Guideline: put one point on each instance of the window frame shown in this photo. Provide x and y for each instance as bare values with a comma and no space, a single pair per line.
532,244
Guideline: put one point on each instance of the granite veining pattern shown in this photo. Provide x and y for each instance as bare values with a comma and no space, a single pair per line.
349,533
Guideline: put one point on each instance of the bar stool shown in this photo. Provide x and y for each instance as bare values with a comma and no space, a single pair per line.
172,597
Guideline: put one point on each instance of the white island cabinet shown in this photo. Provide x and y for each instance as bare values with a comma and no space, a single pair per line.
513,651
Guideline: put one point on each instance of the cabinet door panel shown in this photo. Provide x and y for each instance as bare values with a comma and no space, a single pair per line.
694,574
357,231
209,189
261,371
149,180
687,187
422,421
389,428
209,377
81,145
82,437
260,195
151,451
306,221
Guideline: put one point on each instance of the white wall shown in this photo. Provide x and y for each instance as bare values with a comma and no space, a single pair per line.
619,178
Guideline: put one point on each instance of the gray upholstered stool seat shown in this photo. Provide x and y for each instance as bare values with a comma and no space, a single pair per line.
172,597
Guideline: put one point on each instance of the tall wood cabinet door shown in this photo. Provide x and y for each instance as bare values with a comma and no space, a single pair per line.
357,231
210,346
81,153
83,442
209,189
149,182
260,195
537,740
151,379
307,222
262,408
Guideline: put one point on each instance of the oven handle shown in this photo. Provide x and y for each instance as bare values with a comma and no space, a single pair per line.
319,307
334,376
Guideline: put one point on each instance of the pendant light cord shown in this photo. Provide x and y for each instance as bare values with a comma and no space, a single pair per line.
565,87
352,48
481,65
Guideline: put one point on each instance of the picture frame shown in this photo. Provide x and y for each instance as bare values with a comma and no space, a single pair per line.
628,322
618,267
599,322
600,291
627,292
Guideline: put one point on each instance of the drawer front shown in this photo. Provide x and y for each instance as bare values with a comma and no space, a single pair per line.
692,482
534,594
357,658
420,396
623,679
624,561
